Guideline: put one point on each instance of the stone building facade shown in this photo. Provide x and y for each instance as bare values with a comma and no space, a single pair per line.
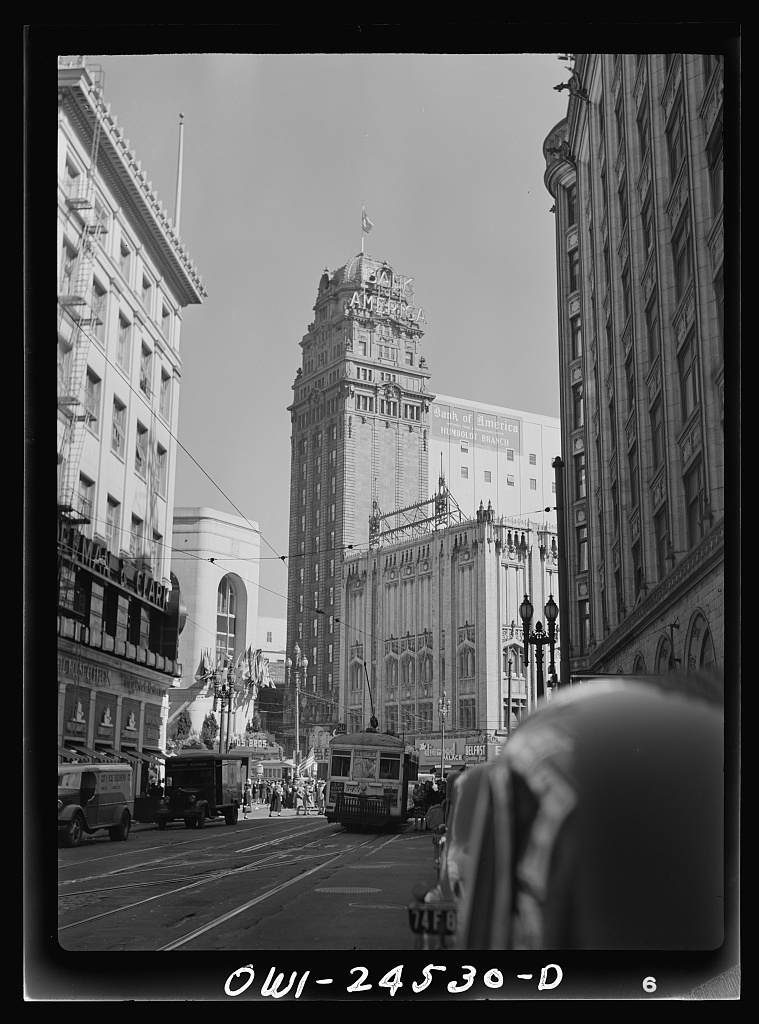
636,173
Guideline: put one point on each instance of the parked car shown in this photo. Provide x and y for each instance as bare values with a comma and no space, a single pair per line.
201,785
93,797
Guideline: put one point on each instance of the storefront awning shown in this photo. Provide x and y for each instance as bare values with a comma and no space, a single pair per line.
71,755
123,755
94,755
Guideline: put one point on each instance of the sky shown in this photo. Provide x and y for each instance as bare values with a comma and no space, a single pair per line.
280,153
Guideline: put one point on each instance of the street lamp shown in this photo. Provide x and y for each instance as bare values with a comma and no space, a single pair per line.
301,665
539,638
224,693
444,708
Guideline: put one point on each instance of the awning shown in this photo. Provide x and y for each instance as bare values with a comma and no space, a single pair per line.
121,754
71,755
95,755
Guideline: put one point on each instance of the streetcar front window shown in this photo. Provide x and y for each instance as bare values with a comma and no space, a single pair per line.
341,763
390,767
364,766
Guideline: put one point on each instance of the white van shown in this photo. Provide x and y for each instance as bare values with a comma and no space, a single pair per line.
92,797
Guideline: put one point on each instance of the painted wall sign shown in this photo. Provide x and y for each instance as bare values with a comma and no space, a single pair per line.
482,428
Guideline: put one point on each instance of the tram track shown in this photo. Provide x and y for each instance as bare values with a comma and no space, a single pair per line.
209,877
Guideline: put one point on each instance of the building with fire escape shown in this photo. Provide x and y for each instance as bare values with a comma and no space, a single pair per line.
124,279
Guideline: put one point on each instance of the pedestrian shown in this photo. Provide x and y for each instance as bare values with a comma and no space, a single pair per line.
275,806
320,796
418,796
298,798
247,799
308,797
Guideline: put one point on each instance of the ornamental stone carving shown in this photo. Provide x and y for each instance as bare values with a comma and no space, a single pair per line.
684,317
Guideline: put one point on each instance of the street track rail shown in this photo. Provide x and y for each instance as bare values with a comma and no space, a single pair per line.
271,849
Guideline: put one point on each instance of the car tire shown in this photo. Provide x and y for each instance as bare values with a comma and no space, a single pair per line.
74,831
230,817
120,833
190,823
161,824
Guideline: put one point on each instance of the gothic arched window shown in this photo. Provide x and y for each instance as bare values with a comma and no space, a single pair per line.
226,615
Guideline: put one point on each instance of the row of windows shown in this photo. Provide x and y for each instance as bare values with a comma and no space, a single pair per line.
138,537
75,184
423,716
510,479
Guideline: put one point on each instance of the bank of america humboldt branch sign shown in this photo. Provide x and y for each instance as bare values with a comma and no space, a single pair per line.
483,428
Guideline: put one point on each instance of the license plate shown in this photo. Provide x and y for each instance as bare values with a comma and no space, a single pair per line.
432,918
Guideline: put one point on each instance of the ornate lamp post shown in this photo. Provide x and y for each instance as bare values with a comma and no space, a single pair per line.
539,638
444,709
223,693
301,665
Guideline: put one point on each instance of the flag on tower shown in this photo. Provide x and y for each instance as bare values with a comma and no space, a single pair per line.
366,224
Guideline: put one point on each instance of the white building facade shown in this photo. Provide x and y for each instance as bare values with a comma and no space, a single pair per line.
124,280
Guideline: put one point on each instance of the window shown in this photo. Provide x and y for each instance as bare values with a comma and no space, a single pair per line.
135,537
465,472
226,618
630,382
533,484
694,495
657,434
465,446
652,327
578,406
574,270
509,480
487,476
615,506
156,553
632,462
86,496
112,524
626,292
141,452
147,289
164,403
582,549
92,389
619,118
124,350
688,366
647,221
716,169
409,357
68,269
99,300
571,194
533,459
643,121
575,332
676,138
583,614
467,713
166,323
162,463
637,560
622,198
683,260
119,427
719,293
146,360
125,258
580,475
509,454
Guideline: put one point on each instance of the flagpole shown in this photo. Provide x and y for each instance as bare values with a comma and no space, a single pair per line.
363,211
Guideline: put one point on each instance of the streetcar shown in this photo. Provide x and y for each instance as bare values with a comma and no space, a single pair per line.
370,775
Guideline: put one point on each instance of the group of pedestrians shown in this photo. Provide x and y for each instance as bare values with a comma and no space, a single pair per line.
301,795
425,795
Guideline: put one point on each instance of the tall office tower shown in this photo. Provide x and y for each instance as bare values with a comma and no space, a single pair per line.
360,438
635,170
